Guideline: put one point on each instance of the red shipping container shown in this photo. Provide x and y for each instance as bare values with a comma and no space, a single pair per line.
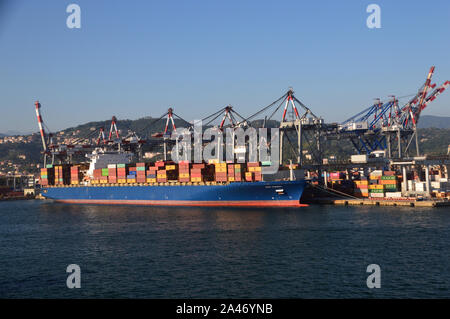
252,164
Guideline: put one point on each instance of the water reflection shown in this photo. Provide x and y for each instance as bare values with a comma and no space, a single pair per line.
154,252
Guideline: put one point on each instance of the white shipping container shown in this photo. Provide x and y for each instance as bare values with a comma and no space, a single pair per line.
420,187
360,126
359,158
393,194
436,185
377,195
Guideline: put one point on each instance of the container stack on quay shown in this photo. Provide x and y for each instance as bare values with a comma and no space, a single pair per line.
361,188
388,184
440,186
379,184
384,184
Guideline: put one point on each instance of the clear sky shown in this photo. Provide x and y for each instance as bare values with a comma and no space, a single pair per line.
136,58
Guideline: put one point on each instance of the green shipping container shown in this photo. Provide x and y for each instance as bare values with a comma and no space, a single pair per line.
49,166
388,178
139,168
376,190
121,165
104,172
266,163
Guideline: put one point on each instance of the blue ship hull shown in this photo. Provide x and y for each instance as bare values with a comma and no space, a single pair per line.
281,193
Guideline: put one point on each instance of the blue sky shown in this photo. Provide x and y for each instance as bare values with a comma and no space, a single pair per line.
136,58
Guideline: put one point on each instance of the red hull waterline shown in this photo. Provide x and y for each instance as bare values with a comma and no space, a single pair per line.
284,203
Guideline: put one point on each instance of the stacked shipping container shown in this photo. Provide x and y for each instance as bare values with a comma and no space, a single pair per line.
161,172
47,175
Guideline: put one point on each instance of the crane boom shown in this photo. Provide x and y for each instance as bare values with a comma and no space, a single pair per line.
40,123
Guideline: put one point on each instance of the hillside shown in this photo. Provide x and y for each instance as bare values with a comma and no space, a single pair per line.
429,121
23,154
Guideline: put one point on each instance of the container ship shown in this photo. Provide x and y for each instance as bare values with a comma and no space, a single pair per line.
163,183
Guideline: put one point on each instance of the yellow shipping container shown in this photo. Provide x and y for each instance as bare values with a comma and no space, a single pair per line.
196,179
184,175
151,180
376,186
170,167
254,169
231,179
